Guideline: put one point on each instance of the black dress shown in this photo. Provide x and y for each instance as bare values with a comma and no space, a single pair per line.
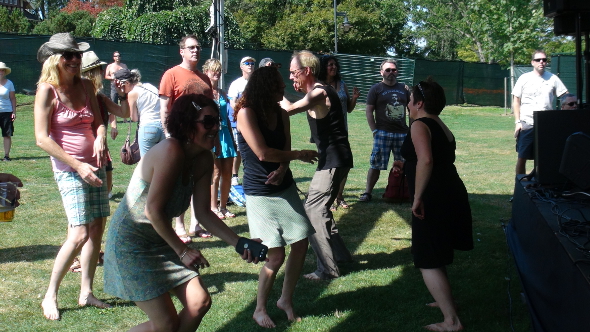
447,215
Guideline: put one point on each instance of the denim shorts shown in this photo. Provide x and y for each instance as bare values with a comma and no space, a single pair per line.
83,202
525,142
149,134
385,143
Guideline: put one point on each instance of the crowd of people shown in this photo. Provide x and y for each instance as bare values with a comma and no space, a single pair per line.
194,137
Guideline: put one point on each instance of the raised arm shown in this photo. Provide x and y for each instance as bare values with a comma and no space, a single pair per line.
313,98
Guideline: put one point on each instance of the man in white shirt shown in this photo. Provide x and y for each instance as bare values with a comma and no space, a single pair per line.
534,91
236,88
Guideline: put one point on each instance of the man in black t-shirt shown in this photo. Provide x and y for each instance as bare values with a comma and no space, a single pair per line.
387,103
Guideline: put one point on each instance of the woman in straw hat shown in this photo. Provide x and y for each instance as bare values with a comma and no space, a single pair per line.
69,127
92,70
7,109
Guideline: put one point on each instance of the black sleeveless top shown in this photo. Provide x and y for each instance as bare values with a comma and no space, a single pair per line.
256,171
330,134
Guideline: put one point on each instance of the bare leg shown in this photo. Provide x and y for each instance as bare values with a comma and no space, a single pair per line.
88,262
520,166
110,181
162,314
77,237
372,178
236,164
292,272
438,284
215,183
268,274
226,169
7,145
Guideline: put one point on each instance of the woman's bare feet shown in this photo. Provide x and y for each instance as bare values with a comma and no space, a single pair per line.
50,310
89,299
262,319
445,327
288,309
312,276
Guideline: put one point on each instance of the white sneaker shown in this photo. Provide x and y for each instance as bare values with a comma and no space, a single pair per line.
235,181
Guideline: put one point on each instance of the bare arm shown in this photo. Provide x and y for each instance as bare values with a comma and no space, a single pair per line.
313,98
516,110
100,141
43,111
421,138
107,73
248,126
370,110
132,100
12,97
164,112
356,93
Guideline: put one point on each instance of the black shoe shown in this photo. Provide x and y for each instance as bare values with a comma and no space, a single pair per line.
6,158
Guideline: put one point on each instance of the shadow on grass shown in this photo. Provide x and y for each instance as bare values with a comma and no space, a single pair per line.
28,253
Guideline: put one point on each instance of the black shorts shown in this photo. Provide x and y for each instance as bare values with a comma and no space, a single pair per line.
6,124
525,143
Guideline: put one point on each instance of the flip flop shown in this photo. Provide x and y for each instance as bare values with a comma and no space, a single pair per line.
200,233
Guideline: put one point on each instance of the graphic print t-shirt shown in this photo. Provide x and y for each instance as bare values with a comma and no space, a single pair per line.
390,106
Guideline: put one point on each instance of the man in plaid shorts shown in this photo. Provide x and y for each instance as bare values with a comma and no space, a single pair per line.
387,103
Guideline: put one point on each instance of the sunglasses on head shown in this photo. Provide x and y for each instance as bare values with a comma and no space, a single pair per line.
209,121
248,63
540,59
70,55
388,70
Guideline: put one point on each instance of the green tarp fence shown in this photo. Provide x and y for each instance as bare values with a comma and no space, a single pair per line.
471,83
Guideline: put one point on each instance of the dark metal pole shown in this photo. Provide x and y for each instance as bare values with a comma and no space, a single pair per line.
579,79
587,65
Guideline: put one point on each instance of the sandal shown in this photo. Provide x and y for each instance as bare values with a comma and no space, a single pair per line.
200,233
226,213
334,207
342,203
365,197
76,266
218,213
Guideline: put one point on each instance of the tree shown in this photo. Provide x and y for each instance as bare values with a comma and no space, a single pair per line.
79,23
94,7
14,21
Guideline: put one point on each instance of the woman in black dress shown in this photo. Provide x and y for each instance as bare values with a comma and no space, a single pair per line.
441,220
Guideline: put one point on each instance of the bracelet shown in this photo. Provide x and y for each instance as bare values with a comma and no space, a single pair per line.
375,130
123,97
517,122
183,253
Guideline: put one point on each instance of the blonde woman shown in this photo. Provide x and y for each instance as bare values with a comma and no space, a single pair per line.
69,127
225,148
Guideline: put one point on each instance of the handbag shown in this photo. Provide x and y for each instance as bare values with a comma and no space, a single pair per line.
397,187
130,151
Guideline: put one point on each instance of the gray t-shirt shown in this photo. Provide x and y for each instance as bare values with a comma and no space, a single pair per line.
537,93
390,103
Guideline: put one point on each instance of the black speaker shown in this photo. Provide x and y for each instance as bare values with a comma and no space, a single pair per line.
565,24
552,128
575,163
552,8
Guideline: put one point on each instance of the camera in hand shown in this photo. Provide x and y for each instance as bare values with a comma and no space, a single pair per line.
257,249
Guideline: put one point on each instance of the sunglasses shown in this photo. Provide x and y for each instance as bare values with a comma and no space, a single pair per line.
389,70
70,55
540,60
209,121
571,103
247,63
192,48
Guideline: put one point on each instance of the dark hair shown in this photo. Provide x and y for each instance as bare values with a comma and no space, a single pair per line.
259,94
116,53
182,120
323,75
432,94
185,38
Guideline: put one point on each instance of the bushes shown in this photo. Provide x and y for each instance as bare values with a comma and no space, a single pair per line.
79,23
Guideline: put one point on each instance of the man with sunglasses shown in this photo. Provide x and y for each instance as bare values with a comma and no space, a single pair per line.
387,104
533,91
109,74
177,81
247,65
569,101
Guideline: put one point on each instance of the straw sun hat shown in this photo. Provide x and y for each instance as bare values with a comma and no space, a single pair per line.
59,43
6,69
90,61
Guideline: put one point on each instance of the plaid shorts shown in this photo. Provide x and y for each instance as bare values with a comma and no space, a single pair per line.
83,202
383,144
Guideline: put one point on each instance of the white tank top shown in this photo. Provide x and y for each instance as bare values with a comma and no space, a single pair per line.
148,103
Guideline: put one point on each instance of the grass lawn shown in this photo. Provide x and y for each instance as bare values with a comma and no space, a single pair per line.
380,291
